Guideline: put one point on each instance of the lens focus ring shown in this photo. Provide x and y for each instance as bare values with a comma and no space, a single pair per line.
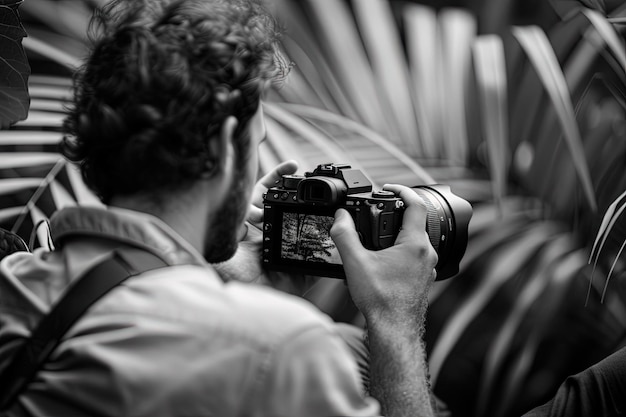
433,225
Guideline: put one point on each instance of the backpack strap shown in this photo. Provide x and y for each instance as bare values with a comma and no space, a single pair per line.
84,292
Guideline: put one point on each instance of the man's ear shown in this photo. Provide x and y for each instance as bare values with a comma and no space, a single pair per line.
223,148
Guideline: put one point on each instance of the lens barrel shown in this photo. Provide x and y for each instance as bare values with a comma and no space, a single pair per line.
447,225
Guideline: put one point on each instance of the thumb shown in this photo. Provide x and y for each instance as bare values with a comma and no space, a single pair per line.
344,234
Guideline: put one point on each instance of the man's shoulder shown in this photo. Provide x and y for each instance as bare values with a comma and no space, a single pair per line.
277,306
196,295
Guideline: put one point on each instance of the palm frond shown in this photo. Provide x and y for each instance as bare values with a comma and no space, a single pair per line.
492,87
388,61
508,258
540,53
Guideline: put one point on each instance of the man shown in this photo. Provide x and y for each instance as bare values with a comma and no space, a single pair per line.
166,123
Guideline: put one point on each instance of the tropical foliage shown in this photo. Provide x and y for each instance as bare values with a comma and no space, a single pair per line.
521,115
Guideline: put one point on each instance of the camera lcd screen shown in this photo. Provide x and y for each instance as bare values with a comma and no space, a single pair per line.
306,238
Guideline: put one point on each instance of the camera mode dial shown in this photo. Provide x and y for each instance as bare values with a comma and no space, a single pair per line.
383,194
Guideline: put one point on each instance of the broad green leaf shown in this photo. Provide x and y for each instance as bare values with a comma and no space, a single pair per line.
537,47
14,67
490,69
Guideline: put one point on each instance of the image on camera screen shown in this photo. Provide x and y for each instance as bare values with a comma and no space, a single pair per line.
306,237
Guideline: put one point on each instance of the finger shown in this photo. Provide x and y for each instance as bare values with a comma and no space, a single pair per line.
414,217
344,234
270,179
284,168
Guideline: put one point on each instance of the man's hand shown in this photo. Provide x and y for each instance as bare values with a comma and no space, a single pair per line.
393,282
390,288
255,212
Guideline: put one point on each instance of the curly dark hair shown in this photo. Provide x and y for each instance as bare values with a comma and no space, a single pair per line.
162,77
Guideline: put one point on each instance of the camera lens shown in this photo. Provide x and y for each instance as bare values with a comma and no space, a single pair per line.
447,224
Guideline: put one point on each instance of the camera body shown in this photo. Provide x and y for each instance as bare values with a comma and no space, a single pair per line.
299,211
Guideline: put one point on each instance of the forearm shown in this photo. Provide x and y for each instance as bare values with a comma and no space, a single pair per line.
398,370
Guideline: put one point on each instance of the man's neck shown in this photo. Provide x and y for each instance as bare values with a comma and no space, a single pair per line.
186,212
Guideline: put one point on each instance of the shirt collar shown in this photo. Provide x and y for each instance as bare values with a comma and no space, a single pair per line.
126,227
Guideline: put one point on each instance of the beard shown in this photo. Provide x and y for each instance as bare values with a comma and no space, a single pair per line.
222,238
223,234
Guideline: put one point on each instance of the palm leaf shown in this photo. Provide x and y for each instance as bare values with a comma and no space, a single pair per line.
490,70
423,49
609,36
540,53
384,49
506,261
458,29
537,282
381,148
333,21
51,52
562,274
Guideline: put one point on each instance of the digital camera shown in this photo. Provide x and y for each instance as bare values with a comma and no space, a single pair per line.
299,212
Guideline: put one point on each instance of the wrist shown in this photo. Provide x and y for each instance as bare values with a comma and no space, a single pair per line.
396,314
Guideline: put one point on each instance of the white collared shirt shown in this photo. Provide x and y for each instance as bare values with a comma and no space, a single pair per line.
175,341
